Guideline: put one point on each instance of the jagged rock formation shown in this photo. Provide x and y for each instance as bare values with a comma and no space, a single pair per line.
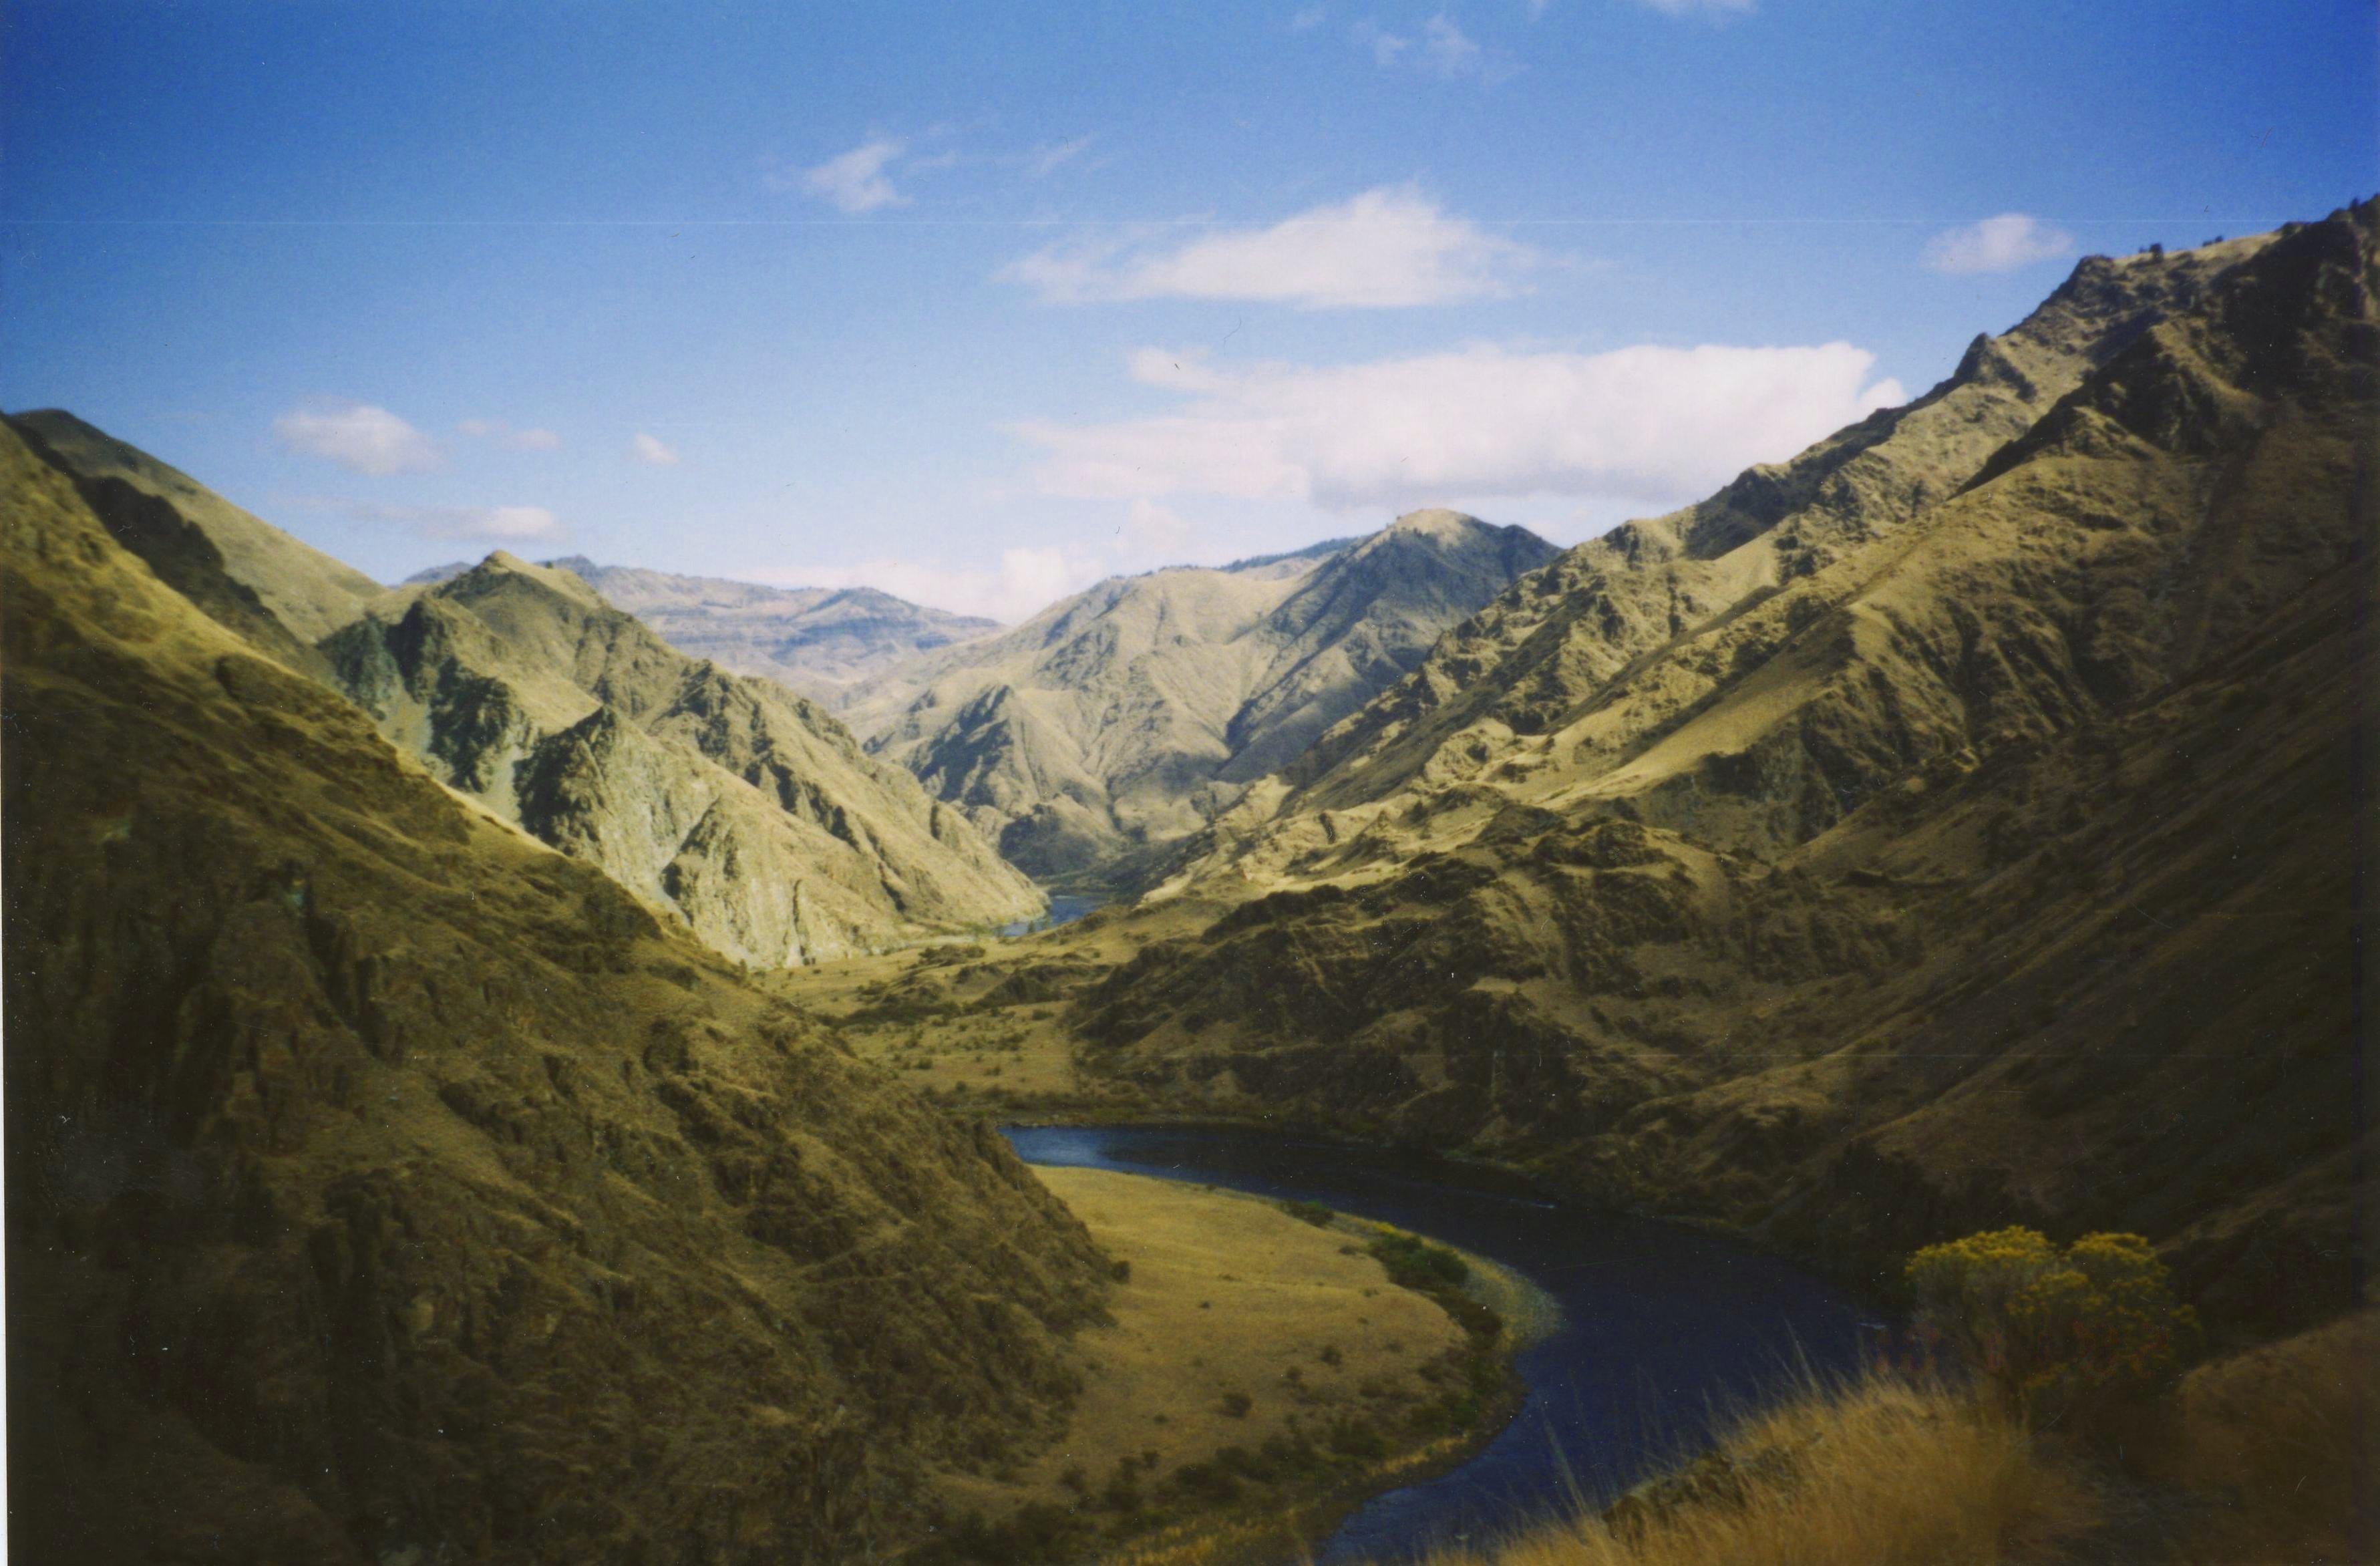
1949,826
728,802
815,640
1118,722
384,1186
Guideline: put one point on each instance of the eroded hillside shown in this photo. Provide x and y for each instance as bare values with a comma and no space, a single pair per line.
726,801
1118,722
385,1186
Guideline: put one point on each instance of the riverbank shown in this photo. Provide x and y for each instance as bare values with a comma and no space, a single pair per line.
1261,1376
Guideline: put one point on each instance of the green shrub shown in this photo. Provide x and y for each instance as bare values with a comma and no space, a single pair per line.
2062,1334
1415,1263
1313,1213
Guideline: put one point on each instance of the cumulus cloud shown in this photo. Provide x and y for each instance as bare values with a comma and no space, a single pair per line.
1442,50
1998,244
356,436
1651,425
485,524
504,434
1025,581
1385,249
653,453
856,182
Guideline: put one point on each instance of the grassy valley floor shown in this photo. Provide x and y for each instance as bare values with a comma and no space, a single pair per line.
1260,1374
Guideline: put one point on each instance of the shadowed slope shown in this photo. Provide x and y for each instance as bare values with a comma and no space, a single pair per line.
385,1186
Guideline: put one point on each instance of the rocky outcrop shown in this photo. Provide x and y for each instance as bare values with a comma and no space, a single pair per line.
1115,724
726,802
385,1186
1945,828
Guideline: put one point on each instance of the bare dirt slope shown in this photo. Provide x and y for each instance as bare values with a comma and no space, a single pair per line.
384,1185
1955,825
1119,721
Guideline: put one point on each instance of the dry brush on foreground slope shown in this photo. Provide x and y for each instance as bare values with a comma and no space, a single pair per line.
384,1185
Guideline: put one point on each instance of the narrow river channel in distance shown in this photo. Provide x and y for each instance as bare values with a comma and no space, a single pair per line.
1664,1331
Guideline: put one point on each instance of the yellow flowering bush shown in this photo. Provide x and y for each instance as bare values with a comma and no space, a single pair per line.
2061,1332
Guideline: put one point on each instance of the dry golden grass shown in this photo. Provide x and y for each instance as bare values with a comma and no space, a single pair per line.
1880,1473
1227,1294
2282,1439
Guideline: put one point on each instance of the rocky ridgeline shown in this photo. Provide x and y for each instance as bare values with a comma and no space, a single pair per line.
1090,740
385,1186
730,802
1943,829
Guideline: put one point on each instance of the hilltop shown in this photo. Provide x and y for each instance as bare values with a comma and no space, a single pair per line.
732,803
1118,722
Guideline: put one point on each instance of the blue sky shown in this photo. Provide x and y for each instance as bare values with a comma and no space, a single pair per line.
978,303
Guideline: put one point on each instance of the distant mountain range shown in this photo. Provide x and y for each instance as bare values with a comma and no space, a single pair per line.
816,640
1116,722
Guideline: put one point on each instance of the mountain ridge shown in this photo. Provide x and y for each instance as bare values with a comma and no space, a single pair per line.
1115,721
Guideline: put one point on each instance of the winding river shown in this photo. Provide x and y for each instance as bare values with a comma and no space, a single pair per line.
1663,1330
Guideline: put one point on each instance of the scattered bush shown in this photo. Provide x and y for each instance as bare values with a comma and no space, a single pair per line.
1415,1263
1313,1213
1237,1404
2062,1334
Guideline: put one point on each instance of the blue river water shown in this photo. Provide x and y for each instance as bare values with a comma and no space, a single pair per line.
1665,1332
1065,909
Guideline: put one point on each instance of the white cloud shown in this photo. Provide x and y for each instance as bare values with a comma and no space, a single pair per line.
1653,425
1153,535
486,524
653,453
1443,50
1701,8
1385,249
1998,244
496,430
1026,582
856,182
356,436
1306,21
1046,161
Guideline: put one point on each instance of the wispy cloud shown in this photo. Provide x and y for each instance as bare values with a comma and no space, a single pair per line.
1441,48
857,182
357,436
1046,161
1655,425
1998,244
484,523
652,452
1306,19
1385,249
504,434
